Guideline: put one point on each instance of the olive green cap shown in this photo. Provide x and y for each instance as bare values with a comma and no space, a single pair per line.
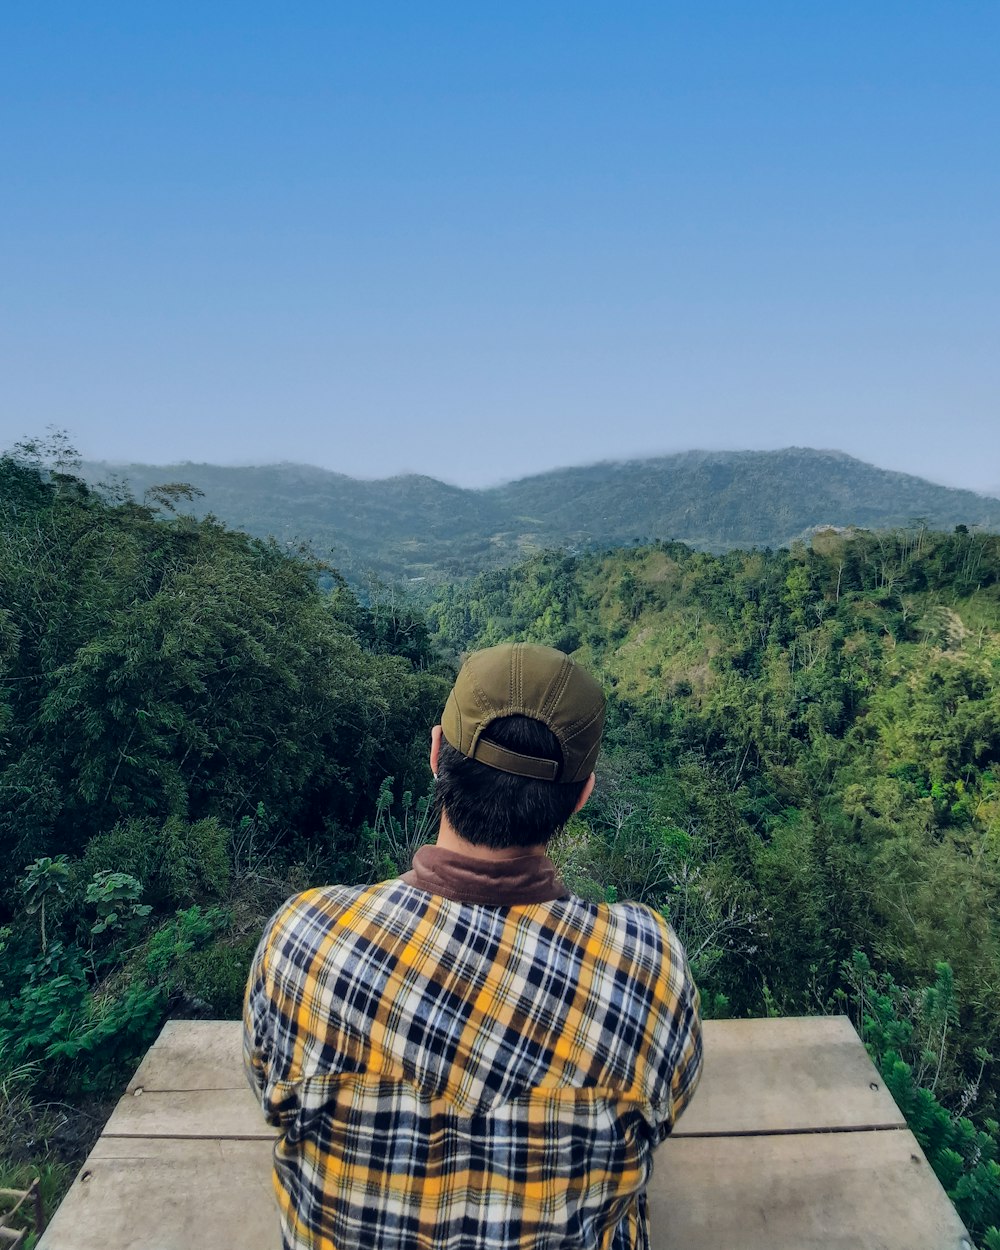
521,679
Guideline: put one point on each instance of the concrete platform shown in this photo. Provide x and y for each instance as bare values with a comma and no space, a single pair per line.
791,1143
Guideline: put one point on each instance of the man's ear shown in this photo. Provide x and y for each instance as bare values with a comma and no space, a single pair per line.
586,792
435,748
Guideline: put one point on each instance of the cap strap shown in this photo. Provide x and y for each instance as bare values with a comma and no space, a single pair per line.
496,756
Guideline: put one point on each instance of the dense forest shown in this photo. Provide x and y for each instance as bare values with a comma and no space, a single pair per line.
802,770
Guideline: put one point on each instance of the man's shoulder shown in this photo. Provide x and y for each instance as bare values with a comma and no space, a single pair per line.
637,970
307,918
628,933
638,918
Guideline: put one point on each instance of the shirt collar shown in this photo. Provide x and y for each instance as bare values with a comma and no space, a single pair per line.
493,882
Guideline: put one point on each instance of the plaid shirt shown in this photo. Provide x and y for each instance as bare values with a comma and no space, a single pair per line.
457,1076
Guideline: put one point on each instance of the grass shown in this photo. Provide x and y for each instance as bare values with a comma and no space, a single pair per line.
54,1180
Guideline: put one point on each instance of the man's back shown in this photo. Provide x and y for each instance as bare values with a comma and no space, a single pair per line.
452,1075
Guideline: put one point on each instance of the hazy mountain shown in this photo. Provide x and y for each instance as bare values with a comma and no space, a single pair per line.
414,526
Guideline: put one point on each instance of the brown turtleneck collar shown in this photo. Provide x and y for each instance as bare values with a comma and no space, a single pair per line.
493,882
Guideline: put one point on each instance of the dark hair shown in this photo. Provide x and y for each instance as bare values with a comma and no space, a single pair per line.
492,808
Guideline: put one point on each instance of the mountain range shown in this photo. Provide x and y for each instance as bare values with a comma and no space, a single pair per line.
414,527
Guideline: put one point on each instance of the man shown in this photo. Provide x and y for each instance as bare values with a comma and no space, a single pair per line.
469,1057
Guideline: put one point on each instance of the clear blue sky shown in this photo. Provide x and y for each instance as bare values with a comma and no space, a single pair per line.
481,239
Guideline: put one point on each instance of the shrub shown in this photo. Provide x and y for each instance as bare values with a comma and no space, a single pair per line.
178,863
893,1020
217,975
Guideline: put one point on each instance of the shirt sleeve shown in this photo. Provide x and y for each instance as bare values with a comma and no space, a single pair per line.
680,1063
257,1027
688,1062
276,989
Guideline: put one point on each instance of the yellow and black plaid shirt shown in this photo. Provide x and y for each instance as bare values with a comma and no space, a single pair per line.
448,1075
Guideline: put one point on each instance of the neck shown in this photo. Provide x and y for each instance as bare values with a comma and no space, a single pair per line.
448,839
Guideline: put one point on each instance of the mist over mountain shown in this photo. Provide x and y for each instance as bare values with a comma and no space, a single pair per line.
415,526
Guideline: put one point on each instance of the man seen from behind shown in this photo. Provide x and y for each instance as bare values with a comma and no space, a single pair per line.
470,1057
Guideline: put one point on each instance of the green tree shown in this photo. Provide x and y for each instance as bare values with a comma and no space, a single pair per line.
44,879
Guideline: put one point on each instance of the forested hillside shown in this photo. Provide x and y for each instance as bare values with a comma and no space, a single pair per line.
821,726
417,527
190,731
802,770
